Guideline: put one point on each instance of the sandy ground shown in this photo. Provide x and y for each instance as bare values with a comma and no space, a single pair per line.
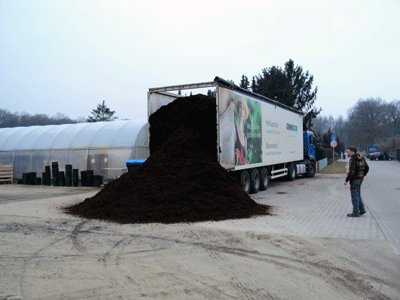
45,254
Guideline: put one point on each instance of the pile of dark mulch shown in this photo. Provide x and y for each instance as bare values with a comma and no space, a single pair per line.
181,181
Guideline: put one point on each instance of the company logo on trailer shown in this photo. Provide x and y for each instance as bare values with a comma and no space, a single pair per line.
271,124
291,127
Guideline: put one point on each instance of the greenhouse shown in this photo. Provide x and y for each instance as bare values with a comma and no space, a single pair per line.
103,147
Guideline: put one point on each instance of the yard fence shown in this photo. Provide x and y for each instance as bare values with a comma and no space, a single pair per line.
322,164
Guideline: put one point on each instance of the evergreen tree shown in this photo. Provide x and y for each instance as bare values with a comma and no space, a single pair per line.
289,86
212,93
253,84
340,146
326,139
244,83
102,113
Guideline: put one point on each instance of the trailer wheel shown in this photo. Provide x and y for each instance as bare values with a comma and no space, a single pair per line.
255,181
292,172
245,181
264,178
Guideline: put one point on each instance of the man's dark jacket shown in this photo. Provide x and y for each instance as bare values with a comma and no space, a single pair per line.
358,168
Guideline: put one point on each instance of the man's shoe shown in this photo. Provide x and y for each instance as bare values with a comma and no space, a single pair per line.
352,216
361,213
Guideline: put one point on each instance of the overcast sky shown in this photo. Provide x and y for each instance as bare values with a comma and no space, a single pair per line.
69,56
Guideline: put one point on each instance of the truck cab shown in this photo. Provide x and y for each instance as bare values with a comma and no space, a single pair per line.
309,148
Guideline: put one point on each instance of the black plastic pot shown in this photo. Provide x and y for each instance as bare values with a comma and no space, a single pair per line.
61,178
83,178
75,177
32,178
25,178
54,170
97,180
89,177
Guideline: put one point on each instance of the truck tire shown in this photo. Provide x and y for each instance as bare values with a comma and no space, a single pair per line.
254,181
311,169
264,179
292,172
245,181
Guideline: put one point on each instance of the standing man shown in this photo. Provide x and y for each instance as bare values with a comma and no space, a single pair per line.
358,168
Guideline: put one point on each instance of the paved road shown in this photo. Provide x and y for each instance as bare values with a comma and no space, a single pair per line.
318,207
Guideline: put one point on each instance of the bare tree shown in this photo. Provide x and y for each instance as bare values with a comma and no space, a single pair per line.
8,119
393,117
322,123
368,121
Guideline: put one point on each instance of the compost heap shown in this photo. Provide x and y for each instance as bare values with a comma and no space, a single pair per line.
181,181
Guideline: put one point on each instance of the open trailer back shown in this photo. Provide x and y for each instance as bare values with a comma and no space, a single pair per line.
257,138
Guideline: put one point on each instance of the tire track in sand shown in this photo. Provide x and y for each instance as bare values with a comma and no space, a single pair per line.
295,262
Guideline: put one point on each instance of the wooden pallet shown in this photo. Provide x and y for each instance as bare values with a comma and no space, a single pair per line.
6,173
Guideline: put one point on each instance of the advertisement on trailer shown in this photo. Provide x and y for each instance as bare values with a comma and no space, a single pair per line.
255,132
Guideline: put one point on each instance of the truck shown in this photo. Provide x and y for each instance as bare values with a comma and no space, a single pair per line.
371,150
258,139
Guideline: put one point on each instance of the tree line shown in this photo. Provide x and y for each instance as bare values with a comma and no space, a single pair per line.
370,121
8,119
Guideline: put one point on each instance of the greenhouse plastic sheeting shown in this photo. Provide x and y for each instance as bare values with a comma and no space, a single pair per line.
95,146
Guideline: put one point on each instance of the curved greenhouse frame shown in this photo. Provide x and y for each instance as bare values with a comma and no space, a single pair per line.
95,146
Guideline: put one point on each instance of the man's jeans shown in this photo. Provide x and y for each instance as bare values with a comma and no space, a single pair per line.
358,205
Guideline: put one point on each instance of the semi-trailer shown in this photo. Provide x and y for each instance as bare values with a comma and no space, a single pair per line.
258,138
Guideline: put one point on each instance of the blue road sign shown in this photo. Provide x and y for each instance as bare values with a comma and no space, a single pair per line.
333,137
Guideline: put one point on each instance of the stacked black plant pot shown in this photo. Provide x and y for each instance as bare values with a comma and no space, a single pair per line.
97,180
54,168
32,178
89,177
53,176
68,175
25,178
75,177
83,178
61,178
46,179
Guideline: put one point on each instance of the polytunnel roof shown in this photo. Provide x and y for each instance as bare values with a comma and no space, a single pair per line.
97,135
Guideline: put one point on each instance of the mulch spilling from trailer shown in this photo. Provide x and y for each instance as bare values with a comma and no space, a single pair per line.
181,181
